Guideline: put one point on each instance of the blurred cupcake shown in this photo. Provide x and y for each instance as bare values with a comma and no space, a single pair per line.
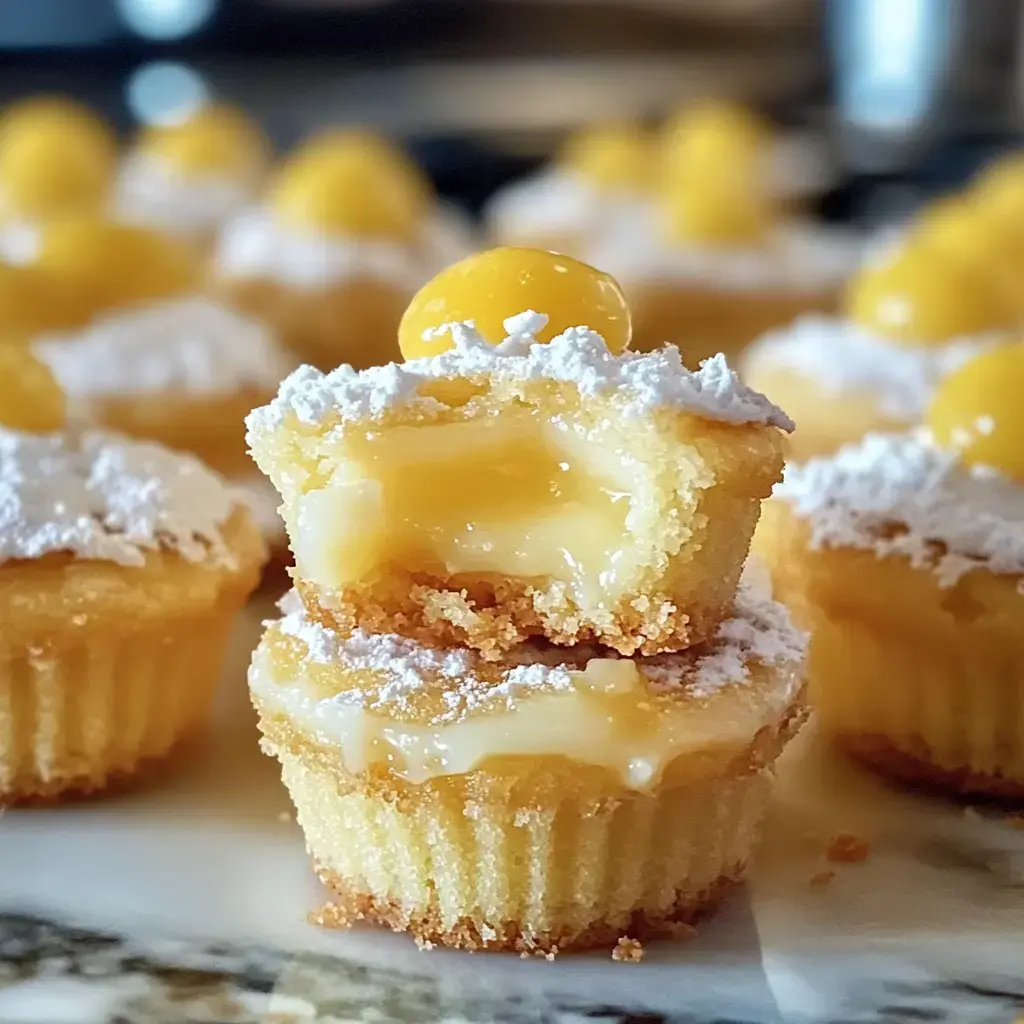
904,554
602,176
350,230
713,262
189,178
57,158
146,354
910,317
123,567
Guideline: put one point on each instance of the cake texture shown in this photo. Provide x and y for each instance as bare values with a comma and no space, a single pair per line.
498,492
906,566
556,799
122,566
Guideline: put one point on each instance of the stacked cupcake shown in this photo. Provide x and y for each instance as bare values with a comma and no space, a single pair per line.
521,695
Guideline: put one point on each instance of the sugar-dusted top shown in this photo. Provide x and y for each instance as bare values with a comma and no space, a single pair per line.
948,516
759,631
99,496
642,382
842,359
189,345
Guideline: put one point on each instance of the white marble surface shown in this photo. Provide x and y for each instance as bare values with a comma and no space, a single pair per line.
111,910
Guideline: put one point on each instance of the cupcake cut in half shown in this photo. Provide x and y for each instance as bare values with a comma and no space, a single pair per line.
554,799
530,488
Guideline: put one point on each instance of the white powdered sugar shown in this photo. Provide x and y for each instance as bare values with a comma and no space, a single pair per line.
901,495
843,359
99,496
155,193
760,630
19,241
794,258
190,345
640,382
255,245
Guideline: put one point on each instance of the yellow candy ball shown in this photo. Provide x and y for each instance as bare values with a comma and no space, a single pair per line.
919,297
612,157
94,265
693,216
215,140
55,158
977,410
32,400
492,286
351,185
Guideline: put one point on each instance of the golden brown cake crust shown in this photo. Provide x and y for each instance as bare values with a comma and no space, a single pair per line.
881,755
493,618
349,907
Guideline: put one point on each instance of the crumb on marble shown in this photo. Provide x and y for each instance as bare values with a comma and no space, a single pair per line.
424,945
845,848
628,951
330,915
820,878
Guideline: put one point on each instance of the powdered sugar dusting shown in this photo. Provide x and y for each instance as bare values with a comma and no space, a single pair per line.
101,497
759,630
190,345
639,382
843,359
901,495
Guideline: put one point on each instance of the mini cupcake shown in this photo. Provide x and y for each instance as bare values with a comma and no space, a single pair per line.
714,261
911,317
124,566
904,554
408,489
57,158
190,178
557,799
603,175
154,358
350,230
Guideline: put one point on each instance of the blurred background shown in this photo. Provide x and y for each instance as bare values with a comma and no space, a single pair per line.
908,96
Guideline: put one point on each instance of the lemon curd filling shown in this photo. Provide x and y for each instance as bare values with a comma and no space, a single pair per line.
511,495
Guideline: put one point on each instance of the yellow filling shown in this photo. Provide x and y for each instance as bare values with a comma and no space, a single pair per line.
504,496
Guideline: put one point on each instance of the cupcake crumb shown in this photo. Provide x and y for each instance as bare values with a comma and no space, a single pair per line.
847,849
330,915
820,878
424,945
628,951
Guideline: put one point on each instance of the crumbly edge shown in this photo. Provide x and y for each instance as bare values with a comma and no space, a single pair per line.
879,754
350,906
493,620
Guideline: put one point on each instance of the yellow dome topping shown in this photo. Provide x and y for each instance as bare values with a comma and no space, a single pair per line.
491,286
215,140
352,183
55,158
921,297
978,410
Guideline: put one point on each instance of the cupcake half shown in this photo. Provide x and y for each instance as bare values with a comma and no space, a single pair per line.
556,799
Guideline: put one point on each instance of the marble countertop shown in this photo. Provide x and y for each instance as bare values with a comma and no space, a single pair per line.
187,902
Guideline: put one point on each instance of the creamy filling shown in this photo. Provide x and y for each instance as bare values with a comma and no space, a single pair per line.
423,713
509,496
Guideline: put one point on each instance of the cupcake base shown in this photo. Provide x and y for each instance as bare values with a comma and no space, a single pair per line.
920,770
485,870
105,668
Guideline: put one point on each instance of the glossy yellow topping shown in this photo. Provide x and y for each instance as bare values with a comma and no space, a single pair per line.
491,286
611,157
978,410
714,218
352,182
31,399
55,158
95,265
921,297
215,140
